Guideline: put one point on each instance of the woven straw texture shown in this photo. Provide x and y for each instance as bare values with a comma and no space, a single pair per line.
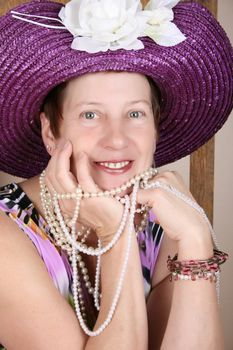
194,77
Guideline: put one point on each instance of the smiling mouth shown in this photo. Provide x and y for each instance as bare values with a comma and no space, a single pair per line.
115,166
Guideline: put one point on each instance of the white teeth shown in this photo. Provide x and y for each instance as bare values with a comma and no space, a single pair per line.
118,165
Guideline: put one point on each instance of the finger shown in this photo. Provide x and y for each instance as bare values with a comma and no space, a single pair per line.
58,172
144,197
64,175
51,169
83,173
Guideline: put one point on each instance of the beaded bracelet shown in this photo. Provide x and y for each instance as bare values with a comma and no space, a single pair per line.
196,269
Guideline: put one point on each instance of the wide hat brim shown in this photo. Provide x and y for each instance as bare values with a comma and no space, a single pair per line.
194,77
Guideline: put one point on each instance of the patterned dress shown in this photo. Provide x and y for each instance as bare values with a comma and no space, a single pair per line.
15,203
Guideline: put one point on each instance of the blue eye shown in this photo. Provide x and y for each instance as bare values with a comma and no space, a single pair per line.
89,115
135,114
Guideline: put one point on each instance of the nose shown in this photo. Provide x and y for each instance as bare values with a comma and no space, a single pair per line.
115,136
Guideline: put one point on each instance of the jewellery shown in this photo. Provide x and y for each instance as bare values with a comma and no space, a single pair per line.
68,241
48,148
196,269
59,239
120,282
193,204
75,246
144,177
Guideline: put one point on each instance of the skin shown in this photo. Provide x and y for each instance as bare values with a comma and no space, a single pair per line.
185,309
112,133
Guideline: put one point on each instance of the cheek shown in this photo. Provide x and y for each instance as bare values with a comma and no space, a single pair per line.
81,138
148,140
82,142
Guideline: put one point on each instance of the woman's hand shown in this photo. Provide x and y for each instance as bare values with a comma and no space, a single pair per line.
180,221
103,215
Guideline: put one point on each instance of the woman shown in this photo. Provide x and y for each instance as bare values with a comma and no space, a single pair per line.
95,108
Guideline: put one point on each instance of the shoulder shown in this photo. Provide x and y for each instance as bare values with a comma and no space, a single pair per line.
16,250
19,261
29,301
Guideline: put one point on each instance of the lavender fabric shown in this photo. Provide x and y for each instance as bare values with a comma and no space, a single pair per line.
15,203
194,78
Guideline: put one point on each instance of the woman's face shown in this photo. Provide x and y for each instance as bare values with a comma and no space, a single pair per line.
109,117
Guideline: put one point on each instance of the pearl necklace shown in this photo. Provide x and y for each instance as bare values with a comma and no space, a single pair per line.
53,222
46,203
73,248
121,279
144,177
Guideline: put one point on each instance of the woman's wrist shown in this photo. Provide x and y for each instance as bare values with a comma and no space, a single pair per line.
107,235
197,247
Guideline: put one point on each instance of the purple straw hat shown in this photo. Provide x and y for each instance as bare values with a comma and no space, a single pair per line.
194,78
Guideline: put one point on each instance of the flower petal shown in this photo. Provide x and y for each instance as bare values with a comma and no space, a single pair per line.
84,14
161,15
166,34
111,8
100,25
89,45
69,13
155,4
132,45
136,45
133,7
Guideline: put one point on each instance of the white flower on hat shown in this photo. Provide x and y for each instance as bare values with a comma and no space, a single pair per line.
101,25
159,24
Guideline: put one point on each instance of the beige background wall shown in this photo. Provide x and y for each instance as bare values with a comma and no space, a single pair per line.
223,197
223,206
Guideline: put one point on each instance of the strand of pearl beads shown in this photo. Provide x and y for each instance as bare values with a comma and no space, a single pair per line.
73,233
75,244
145,176
78,194
121,279
80,247
97,280
59,238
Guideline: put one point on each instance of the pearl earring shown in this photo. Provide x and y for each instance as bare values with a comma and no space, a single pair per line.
48,148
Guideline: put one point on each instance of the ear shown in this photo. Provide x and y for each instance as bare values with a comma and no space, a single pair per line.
47,135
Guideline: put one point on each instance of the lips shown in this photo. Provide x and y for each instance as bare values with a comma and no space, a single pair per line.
119,166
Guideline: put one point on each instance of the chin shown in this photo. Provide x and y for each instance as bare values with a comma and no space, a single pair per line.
110,181
111,184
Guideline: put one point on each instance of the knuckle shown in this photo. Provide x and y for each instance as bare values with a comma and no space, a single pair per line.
165,175
170,176
59,175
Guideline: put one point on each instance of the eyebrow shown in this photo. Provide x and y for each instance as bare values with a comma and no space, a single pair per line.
91,103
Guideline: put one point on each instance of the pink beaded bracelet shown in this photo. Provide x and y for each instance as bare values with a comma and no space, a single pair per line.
196,269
